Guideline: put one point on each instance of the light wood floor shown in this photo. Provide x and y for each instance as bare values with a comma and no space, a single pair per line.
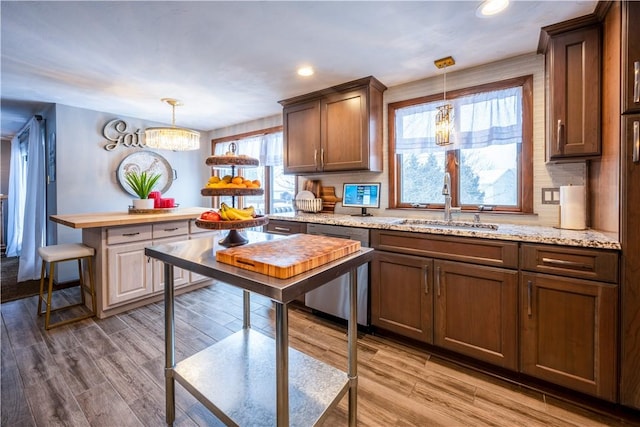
110,372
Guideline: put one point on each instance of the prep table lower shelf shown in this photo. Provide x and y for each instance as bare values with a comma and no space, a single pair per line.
238,374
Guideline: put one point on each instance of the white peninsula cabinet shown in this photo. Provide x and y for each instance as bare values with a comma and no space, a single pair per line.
125,276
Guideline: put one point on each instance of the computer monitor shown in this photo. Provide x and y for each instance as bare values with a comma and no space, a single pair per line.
361,195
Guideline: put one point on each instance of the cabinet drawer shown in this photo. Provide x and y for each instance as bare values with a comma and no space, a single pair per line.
170,229
194,229
286,227
573,262
477,251
128,234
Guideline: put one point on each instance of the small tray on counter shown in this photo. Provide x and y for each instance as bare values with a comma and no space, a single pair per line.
133,210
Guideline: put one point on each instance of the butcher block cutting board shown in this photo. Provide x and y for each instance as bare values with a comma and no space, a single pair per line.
286,257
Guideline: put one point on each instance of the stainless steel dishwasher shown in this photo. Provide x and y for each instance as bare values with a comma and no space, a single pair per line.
333,298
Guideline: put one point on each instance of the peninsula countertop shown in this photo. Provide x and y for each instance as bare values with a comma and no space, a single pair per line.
512,232
110,219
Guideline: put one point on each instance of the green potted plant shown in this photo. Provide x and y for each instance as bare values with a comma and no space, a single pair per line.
142,184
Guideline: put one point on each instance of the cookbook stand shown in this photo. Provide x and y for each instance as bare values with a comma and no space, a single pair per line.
234,237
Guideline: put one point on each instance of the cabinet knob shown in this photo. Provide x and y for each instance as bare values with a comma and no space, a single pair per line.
426,279
559,135
529,291
636,82
636,142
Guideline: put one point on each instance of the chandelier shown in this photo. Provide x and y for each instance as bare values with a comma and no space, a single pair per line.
172,138
444,118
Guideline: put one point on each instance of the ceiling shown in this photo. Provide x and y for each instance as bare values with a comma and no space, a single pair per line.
230,62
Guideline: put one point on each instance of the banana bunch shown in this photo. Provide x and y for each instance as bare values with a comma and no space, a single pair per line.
227,213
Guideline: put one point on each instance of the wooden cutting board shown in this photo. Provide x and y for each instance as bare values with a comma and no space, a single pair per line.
286,257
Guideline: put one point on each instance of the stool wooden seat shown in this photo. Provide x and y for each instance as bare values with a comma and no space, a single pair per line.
60,253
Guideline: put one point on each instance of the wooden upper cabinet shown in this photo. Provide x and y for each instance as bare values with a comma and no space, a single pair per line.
301,123
573,61
345,132
336,129
630,57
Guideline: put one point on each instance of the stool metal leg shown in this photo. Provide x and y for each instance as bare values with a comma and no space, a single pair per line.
92,287
48,315
81,279
40,299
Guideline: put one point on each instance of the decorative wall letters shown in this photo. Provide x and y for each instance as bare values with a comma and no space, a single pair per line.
116,131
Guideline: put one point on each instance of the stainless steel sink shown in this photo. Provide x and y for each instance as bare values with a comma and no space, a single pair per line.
452,224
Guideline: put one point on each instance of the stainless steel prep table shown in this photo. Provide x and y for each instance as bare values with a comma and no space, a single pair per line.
234,378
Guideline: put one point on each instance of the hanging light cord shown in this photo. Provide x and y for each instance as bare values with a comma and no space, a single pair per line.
173,115
445,83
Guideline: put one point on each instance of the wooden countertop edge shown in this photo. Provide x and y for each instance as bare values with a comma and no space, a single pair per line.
109,219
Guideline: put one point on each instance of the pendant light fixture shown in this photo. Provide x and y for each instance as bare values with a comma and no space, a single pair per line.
444,118
172,138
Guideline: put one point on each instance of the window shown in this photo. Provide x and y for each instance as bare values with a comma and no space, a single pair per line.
490,159
266,146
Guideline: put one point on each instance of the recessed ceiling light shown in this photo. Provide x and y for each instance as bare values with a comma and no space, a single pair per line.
491,7
305,71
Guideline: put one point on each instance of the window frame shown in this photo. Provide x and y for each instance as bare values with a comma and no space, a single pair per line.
268,172
524,155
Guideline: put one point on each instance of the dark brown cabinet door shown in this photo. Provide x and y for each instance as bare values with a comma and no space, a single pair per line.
476,311
301,130
631,56
573,62
335,129
344,135
630,264
401,295
569,332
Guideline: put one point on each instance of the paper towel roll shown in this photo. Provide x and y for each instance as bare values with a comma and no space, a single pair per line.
573,210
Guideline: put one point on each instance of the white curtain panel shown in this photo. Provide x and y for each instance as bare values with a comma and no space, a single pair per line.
17,191
480,120
266,148
34,229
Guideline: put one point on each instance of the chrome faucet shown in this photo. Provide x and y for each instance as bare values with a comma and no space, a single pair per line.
447,196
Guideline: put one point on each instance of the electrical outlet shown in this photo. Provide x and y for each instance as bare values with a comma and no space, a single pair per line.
551,196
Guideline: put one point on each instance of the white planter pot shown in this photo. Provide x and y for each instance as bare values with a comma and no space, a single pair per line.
141,204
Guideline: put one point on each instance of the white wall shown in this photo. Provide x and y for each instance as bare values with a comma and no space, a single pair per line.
86,173
545,175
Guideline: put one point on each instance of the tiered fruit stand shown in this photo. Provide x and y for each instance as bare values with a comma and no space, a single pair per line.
234,237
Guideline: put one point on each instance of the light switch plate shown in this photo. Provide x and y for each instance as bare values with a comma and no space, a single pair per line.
551,196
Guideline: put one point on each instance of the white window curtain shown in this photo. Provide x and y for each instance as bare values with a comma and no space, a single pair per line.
266,148
480,120
17,193
27,204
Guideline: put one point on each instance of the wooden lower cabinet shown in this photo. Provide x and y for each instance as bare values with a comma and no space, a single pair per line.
476,311
568,332
401,295
129,274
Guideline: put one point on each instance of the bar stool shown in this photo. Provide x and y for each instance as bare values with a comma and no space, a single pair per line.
60,253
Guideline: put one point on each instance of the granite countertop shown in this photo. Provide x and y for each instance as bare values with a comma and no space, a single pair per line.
512,232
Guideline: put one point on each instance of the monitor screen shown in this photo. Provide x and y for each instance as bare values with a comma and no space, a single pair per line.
361,195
